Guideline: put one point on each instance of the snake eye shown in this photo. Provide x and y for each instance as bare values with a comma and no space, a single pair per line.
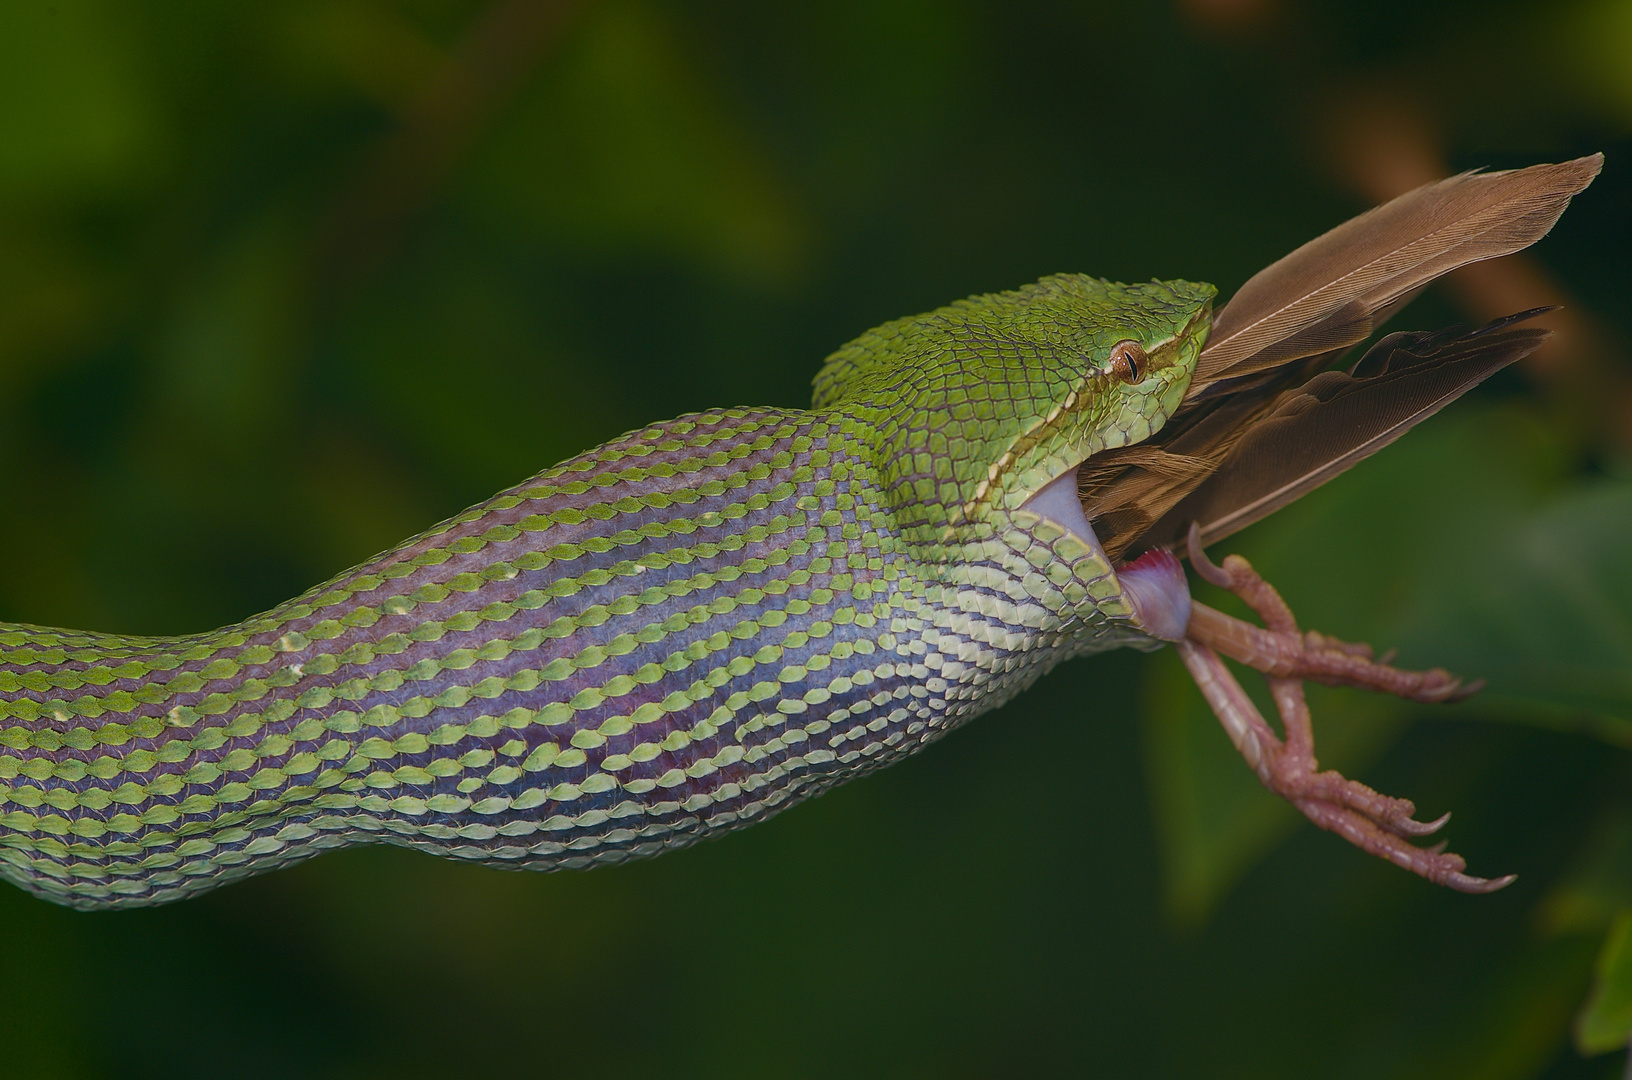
1128,361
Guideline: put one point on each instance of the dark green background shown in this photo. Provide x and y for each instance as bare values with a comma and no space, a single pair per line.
282,283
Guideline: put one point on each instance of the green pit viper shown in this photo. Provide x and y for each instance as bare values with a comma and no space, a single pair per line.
677,633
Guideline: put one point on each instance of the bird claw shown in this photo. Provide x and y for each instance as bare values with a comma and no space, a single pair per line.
1464,692
1280,650
1433,863
1413,827
1376,823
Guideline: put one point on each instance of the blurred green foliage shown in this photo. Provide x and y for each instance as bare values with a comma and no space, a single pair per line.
282,283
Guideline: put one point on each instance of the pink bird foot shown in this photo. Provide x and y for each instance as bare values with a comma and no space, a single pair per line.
1373,822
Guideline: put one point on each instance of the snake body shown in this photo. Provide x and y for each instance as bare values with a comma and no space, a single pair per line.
676,633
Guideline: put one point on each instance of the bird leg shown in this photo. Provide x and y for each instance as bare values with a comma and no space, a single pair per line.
1371,821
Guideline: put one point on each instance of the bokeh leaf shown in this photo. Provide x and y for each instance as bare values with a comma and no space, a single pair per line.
1545,604
76,117
1605,1021
623,147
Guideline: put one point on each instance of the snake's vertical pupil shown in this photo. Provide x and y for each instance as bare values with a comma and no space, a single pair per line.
1128,361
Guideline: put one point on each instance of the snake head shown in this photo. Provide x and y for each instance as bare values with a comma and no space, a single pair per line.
970,410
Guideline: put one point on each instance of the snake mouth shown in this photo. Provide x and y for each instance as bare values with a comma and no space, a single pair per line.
1153,584
1058,502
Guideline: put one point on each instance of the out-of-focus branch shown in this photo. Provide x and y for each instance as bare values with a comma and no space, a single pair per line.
1229,16
401,173
1376,132
1382,143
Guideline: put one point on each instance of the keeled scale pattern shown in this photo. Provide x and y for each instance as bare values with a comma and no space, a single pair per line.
680,631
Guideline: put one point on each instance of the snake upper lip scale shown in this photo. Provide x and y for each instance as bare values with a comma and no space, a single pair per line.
700,622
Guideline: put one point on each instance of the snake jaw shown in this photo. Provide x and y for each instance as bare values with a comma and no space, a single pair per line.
1153,584
1057,501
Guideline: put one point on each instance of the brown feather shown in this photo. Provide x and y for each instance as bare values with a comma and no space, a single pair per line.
1264,421
1337,419
1123,491
1328,293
